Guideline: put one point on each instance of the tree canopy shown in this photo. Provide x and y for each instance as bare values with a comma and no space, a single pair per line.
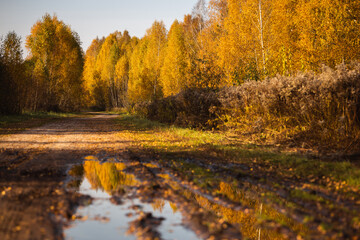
56,52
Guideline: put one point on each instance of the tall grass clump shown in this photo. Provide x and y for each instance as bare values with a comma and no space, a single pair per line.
313,110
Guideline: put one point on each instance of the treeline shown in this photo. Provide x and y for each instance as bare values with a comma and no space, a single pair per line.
50,79
222,43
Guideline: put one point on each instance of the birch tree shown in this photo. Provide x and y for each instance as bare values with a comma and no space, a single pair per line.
56,48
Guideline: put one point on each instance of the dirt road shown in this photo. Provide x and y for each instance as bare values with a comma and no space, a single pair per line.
33,165
35,202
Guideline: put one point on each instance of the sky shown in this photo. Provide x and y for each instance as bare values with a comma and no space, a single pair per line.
92,18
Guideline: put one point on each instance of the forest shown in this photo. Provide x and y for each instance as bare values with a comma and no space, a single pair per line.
283,69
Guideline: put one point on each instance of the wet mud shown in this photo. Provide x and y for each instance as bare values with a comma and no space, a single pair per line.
157,195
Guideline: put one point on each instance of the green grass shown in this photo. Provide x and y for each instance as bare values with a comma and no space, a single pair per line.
298,193
6,119
10,124
171,142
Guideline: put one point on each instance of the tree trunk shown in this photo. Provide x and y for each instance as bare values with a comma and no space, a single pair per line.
262,37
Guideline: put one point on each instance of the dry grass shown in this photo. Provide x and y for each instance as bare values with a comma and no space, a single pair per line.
313,110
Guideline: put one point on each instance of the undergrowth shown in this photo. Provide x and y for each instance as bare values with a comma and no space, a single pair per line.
313,111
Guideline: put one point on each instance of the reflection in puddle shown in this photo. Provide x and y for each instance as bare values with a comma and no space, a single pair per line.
115,206
117,210
247,221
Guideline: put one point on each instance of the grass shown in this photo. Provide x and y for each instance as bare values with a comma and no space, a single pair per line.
6,119
298,193
14,123
172,142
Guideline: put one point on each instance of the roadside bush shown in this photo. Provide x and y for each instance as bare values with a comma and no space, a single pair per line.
191,108
319,110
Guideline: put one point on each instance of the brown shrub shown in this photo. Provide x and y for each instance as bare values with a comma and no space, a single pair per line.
319,110
190,108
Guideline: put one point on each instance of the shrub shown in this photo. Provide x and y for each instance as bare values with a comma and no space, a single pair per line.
190,108
316,109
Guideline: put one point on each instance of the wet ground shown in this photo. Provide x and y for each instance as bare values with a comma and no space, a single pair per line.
76,179
139,200
34,203
118,209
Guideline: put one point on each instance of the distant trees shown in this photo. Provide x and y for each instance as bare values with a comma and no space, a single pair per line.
106,70
139,86
93,94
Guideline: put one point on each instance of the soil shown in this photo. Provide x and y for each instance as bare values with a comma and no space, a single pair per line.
33,167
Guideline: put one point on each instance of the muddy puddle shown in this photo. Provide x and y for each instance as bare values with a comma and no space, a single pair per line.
142,201
116,211
107,219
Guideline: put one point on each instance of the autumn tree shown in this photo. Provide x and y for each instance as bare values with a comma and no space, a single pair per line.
122,68
146,63
328,32
173,72
89,74
122,78
139,87
241,50
105,68
154,56
12,85
104,77
209,72
58,58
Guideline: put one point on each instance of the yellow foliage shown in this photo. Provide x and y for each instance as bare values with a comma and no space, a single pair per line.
59,62
106,71
173,70
237,41
108,176
89,69
145,64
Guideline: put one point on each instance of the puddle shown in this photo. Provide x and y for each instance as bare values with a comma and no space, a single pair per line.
115,206
126,207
